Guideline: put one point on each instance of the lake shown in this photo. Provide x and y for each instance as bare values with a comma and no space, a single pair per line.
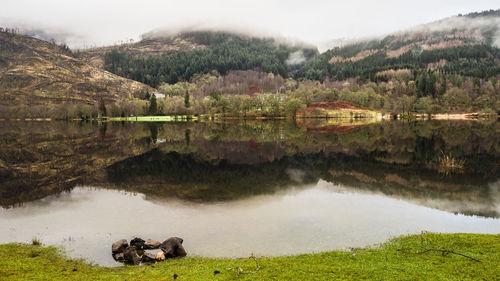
233,189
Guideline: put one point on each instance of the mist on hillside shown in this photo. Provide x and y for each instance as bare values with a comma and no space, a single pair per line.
57,35
237,29
477,28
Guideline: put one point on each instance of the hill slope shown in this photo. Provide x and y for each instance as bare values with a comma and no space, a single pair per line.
150,46
465,45
35,72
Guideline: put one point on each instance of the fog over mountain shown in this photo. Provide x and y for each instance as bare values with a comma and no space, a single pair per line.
96,23
477,26
484,24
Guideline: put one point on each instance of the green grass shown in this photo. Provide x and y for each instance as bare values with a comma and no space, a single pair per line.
167,118
397,259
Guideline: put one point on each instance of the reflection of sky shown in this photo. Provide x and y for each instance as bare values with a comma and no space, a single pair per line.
318,218
491,206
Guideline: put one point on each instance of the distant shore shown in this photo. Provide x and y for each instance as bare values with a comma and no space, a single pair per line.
345,116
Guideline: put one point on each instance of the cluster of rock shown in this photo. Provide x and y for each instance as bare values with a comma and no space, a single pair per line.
136,252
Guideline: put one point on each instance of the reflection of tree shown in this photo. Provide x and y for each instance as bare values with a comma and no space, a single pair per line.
424,149
187,136
102,129
153,129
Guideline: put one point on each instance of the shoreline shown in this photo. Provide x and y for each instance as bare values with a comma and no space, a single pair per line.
458,116
469,116
401,258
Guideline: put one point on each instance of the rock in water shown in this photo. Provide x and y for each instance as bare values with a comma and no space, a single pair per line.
137,242
151,244
148,258
130,256
172,247
160,256
119,246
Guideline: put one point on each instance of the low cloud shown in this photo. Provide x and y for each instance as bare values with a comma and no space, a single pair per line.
45,33
477,26
238,29
221,26
296,57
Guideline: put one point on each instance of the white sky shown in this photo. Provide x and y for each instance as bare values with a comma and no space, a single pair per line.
100,22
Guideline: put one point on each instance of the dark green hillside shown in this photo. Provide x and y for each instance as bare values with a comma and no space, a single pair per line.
223,52
480,61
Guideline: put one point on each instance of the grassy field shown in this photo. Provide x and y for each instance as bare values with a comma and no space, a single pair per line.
401,258
168,118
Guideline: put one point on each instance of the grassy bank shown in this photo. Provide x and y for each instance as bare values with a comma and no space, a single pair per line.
398,259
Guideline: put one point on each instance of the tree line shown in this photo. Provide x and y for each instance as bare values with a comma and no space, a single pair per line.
398,92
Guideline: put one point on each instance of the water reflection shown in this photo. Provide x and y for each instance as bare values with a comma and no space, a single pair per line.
206,162
209,180
305,219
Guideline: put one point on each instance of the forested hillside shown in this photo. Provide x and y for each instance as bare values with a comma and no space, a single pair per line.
223,52
463,45
475,60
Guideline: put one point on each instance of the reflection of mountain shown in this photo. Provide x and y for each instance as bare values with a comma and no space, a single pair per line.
459,194
188,177
206,162
39,159
161,174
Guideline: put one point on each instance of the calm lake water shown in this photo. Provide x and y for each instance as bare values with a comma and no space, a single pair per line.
233,189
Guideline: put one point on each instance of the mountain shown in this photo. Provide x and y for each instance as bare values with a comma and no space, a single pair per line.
161,58
451,65
36,72
465,45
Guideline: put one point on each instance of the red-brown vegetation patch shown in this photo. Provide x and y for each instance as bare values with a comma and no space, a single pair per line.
252,91
332,105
